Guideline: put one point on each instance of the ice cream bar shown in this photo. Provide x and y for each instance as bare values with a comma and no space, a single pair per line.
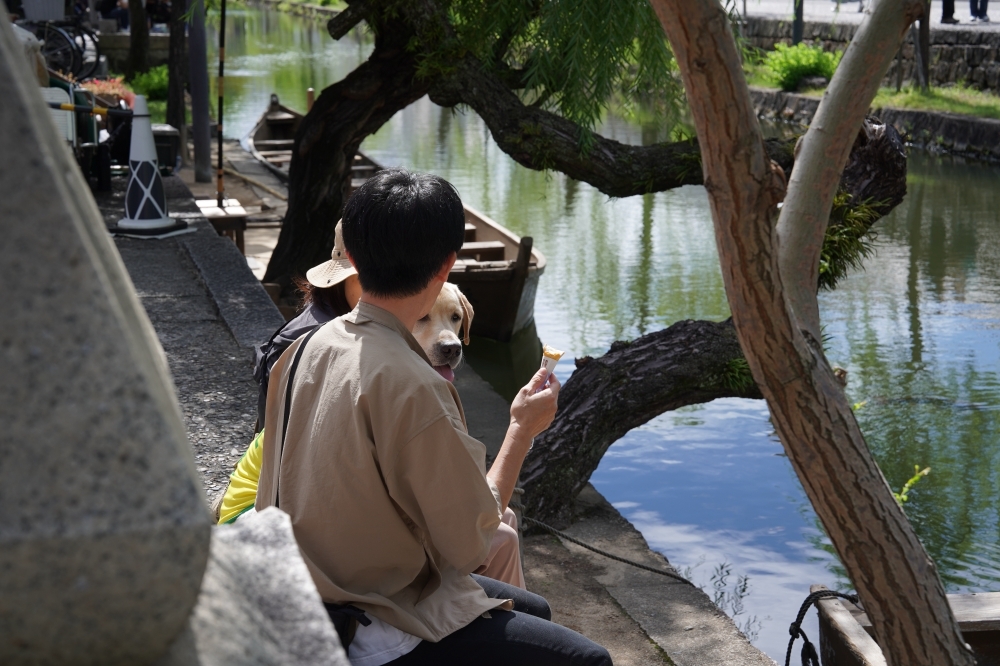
550,356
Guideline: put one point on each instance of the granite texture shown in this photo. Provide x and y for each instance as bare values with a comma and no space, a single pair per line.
258,605
104,534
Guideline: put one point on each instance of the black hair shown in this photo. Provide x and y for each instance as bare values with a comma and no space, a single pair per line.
331,300
399,228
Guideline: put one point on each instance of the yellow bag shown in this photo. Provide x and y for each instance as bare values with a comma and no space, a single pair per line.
241,494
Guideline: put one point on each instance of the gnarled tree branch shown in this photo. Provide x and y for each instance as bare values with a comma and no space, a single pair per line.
689,363
345,21
539,139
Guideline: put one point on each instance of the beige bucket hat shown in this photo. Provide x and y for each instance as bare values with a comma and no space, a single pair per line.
334,271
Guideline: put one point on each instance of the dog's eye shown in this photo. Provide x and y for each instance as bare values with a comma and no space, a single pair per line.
456,317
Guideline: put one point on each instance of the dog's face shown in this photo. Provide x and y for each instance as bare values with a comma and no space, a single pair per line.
438,332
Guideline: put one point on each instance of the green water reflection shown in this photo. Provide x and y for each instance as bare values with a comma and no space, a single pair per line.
918,331
269,52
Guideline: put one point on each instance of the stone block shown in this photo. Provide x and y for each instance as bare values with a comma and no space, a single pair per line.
258,605
104,532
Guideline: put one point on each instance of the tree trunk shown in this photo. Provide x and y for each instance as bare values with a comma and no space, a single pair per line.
689,363
925,48
138,44
198,58
325,145
177,66
770,287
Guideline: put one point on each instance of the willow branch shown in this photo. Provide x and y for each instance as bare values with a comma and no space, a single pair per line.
342,23
825,149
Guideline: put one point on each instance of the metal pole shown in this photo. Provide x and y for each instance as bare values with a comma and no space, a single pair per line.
222,61
310,98
798,25
197,48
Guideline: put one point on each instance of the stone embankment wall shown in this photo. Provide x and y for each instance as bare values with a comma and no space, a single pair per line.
957,55
966,136
306,9
114,46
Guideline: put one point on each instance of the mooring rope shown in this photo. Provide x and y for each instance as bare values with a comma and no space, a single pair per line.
563,535
809,655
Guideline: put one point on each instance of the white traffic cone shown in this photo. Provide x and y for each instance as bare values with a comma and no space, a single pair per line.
145,204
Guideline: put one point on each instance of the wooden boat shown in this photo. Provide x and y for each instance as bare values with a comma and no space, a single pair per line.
271,140
847,637
496,270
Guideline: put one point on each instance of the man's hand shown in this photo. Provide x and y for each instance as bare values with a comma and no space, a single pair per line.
534,407
531,412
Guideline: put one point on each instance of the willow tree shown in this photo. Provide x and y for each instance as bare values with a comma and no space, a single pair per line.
770,267
539,73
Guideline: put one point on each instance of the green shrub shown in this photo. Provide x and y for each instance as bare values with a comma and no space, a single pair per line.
791,64
152,84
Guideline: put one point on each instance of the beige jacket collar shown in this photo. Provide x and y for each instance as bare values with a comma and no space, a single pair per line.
366,312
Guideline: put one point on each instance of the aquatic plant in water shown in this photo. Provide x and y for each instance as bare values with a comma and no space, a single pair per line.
730,600
903,495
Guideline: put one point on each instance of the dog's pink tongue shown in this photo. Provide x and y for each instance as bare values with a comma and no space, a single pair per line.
446,372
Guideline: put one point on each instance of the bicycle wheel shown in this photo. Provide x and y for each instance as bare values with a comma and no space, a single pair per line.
90,52
59,50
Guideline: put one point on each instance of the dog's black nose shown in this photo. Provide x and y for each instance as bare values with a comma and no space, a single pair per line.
450,350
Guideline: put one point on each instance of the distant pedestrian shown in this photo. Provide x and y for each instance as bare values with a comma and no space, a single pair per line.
978,10
948,12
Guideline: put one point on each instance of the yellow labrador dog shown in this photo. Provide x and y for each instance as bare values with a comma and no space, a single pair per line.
438,332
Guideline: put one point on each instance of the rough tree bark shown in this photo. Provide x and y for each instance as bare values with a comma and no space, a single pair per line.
138,45
325,145
177,66
768,271
689,363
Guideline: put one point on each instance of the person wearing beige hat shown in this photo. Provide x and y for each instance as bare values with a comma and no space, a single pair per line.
329,290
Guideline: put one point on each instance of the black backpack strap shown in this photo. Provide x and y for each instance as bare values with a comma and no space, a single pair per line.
288,407
346,619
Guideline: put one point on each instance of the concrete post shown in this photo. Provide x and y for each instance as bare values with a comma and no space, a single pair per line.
104,532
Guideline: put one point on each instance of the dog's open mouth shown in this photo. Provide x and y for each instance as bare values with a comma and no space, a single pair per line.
446,372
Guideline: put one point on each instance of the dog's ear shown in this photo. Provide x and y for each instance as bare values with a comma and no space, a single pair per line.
467,314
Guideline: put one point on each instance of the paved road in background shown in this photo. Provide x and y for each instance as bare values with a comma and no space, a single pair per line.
826,10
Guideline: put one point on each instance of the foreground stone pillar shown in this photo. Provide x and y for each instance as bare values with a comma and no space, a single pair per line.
104,533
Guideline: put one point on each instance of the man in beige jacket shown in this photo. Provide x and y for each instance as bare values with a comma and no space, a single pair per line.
370,456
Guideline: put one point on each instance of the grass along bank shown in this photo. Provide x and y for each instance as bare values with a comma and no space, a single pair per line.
788,68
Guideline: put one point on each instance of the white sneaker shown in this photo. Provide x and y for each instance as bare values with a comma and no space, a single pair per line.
974,19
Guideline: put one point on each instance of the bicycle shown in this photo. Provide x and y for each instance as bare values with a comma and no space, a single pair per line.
68,46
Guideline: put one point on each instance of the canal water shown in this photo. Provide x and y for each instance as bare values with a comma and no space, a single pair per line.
918,331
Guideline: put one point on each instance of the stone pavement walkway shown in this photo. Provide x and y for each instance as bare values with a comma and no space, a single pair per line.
847,12
208,311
